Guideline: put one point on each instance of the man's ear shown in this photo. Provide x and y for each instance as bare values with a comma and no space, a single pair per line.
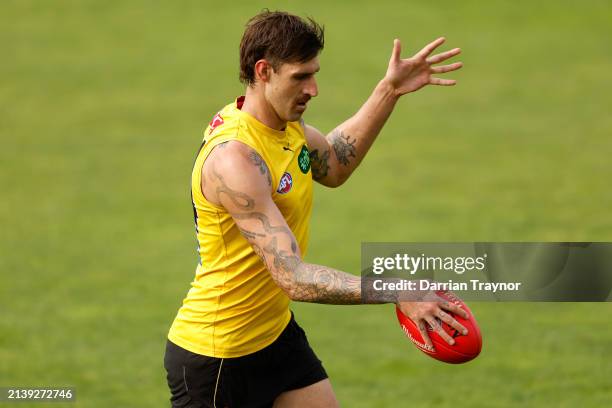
263,70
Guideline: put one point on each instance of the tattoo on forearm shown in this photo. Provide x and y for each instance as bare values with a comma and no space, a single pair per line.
307,282
261,164
326,285
283,260
372,296
319,165
343,146
260,252
313,283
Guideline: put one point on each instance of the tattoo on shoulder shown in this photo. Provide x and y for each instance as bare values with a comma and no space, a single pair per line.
261,165
318,164
344,146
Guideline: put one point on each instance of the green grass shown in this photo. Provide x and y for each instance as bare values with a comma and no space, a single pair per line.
101,110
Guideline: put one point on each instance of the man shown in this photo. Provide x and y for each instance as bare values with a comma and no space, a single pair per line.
234,341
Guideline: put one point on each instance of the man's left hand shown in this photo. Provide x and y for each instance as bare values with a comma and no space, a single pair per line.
412,74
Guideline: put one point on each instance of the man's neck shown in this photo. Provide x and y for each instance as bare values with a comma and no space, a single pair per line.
257,106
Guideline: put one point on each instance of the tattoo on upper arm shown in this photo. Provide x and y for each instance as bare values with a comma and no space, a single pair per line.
318,165
240,199
250,235
261,165
343,146
267,226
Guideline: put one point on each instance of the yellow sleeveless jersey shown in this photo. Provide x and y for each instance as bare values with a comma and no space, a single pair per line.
234,308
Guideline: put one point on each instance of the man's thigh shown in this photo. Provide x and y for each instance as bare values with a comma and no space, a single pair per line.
317,395
192,378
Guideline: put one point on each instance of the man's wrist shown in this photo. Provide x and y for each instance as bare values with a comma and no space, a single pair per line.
388,89
370,295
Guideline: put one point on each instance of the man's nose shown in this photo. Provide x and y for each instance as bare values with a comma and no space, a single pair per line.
311,88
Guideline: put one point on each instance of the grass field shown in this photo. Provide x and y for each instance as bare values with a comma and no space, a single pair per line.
102,104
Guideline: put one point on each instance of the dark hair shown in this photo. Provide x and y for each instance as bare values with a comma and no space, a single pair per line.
279,37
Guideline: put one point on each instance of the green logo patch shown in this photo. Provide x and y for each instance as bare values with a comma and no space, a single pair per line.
304,160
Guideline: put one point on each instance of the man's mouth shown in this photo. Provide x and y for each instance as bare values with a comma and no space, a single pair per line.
303,102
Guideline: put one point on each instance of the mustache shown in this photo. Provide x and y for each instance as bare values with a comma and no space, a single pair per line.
304,100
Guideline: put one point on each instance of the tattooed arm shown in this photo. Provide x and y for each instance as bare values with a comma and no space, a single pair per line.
335,157
235,177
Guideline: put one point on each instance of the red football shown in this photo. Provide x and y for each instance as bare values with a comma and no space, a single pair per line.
465,348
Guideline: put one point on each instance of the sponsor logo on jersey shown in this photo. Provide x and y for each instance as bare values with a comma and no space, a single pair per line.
286,182
216,121
304,160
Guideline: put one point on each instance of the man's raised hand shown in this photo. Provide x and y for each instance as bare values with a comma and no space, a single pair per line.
412,74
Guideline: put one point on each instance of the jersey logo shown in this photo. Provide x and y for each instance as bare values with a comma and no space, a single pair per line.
286,182
216,121
304,160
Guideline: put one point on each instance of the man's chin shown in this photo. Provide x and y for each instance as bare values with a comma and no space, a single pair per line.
295,116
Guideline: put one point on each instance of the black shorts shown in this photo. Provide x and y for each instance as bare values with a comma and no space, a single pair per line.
254,380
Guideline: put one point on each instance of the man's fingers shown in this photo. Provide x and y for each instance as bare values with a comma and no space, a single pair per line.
423,330
451,307
446,68
397,50
443,56
448,319
443,82
428,49
437,327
